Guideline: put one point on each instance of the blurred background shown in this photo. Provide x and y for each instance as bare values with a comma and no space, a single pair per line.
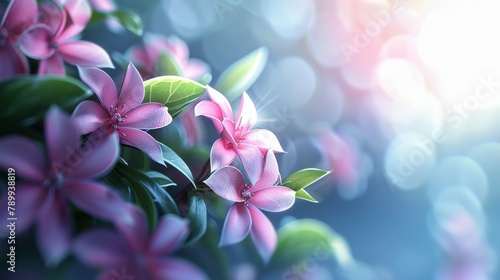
399,98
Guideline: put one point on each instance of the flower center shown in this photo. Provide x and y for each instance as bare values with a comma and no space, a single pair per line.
116,118
54,45
246,194
54,181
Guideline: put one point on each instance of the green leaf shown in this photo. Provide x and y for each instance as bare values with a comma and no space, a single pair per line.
303,178
302,194
240,76
25,100
167,65
197,214
172,91
172,159
302,239
129,20
144,199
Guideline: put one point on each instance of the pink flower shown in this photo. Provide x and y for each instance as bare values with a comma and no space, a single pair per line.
146,56
46,183
20,15
342,155
137,254
244,216
236,135
52,40
122,113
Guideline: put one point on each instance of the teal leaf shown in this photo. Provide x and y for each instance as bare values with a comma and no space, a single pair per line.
172,159
305,238
25,100
167,65
303,178
241,75
197,215
140,183
160,179
172,91
129,20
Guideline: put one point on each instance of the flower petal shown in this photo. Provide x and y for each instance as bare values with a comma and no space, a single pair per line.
85,53
53,231
132,91
220,155
20,14
195,69
170,232
89,116
103,5
176,46
212,111
252,160
247,114
191,127
79,13
228,131
148,116
61,135
97,200
36,42
53,65
264,140
273,199
263,234
237,224
30,198
135,230
270,173
101,248
222,102
13,61
52,15
174,269
227,182
24,156
96,157
142,141
102,84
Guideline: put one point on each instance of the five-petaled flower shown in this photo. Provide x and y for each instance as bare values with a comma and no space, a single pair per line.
142,255
122,114
53,38
19,16
236,135
46,183
244,216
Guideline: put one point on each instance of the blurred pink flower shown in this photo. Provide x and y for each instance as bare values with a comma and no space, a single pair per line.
146,56
122,113
53,38
46,183
135,253
342,156
19,16
236,135
244,216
